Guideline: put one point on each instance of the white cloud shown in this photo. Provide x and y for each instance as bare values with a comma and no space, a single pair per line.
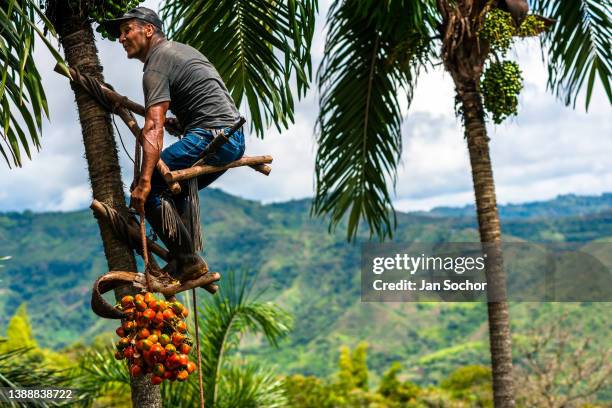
73,198
547,150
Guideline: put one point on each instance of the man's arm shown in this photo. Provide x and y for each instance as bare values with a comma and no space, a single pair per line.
152,144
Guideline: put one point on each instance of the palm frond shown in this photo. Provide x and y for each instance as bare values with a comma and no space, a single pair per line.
224,317
251,387
22,98
373,50
181,394
257,47
578,46
99,373
19,369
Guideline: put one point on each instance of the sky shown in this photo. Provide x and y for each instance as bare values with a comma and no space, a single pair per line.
547,150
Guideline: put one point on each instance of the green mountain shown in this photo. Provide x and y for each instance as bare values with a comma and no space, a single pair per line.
314,274
561,206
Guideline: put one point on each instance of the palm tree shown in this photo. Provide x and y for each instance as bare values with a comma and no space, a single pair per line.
228,382
288,33
376,49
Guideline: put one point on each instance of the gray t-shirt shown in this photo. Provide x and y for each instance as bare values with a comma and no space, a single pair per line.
180,74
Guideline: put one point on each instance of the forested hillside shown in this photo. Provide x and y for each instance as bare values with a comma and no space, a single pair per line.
313,274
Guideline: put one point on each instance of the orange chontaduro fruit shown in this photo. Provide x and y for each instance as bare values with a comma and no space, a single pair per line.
185,348
148,297
148,314
183,360
181,326
143,333
127,301
153,338
169,314
177,338
136,370
182,375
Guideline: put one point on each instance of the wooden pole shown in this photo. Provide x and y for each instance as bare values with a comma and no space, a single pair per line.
191,172
111,95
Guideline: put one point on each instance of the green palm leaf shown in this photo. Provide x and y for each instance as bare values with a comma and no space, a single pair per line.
251,387
99,373
578,45
19,368
22,98
233,311
257,47
373,50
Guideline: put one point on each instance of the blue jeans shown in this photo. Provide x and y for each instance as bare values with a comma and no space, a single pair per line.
184,154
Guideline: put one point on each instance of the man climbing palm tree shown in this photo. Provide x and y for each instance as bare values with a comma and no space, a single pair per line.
179,78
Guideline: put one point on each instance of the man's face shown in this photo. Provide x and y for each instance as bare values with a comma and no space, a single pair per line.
135,38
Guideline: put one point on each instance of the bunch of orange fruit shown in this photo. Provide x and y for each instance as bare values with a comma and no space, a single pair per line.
153,338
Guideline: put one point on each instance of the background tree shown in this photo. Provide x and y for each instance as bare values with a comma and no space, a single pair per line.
392,388
374,52
558,367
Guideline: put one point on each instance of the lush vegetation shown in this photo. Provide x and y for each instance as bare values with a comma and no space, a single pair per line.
313,275
101,380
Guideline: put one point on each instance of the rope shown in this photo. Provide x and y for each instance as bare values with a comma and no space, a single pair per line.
145,253
121,139
119,225
197,336
93,87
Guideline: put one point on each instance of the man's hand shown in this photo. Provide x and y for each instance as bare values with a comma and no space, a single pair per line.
173,126
139,196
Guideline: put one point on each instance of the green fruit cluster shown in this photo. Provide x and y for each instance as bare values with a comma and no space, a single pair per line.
501,85
498,28
108,9
530,27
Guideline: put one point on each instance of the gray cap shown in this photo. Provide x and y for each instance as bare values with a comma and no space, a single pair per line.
141,13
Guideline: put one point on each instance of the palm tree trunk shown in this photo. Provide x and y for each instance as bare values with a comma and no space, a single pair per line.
77,39
490,233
